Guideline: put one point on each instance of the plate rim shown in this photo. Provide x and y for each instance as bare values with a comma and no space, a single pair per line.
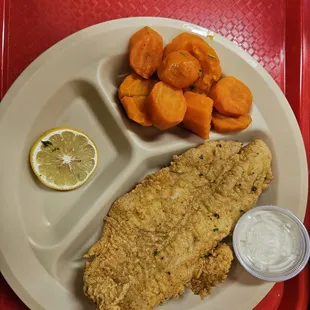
59,47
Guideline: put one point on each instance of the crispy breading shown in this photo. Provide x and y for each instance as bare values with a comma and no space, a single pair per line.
155,235
212,271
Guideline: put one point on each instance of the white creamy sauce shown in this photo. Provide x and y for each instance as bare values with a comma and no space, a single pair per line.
269,241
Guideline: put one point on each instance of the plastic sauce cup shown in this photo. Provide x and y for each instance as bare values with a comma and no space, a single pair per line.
271,243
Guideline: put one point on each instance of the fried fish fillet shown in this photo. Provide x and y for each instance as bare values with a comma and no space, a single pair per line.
155,235
212,271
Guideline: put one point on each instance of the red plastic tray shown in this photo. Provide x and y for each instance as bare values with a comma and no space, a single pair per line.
274,32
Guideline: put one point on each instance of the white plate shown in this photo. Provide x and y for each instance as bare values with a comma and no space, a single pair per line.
44,233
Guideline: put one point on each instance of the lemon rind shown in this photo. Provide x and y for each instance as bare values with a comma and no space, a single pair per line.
36,147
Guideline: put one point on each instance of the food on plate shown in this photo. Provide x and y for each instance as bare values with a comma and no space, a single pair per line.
183,41
188,65
231,97
179,69
136,109
63,158
133,93
224,124
204,53
145,51
156,237
166,106
198,114
214,270
210,64
134,85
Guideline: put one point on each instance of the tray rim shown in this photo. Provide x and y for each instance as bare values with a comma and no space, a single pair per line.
60,46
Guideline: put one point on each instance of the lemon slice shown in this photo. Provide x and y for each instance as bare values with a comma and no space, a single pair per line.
63,158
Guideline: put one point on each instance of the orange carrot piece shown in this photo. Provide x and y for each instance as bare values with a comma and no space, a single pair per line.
183,41
210,64
231,97
136,109
133,94
145,51
204,53
198,115
179,69
225,124
166,106
135,85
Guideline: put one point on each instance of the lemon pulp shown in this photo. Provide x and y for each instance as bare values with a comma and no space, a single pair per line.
63,158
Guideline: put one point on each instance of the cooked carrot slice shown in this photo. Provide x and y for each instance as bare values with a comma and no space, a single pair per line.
198,114
183,41
210,64
179,69
204,53
145,51
224,124
133,94
231,97
135,85
136,109
166,106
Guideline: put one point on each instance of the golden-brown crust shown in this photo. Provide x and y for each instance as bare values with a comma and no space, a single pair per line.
213,270
155,235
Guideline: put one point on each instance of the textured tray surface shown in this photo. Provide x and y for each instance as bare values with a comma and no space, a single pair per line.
257,26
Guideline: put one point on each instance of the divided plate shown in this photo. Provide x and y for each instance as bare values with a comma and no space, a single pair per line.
44,233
